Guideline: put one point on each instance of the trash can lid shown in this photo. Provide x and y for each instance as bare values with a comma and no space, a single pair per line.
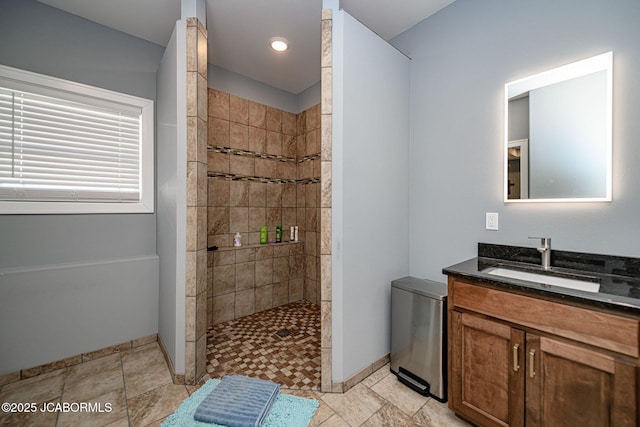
425,287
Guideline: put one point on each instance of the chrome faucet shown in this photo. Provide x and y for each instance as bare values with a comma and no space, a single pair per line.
545,250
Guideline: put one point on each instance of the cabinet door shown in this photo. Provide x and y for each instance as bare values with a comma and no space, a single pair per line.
568,385
487,371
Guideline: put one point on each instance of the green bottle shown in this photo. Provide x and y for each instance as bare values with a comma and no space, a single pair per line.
263,235
278,234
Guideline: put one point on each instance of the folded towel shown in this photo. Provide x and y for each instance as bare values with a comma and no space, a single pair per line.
238,401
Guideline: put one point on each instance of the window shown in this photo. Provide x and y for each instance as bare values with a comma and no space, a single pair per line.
71,148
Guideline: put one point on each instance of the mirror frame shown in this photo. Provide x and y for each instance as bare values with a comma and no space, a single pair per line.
602,62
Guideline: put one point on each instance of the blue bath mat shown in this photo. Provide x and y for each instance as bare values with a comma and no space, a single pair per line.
238,401
287,411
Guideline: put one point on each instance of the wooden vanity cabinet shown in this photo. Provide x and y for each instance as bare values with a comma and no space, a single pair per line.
516,360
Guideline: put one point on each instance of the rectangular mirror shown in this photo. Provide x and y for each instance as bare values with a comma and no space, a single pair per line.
558,130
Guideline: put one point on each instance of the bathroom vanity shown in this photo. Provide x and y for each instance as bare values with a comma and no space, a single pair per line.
525,352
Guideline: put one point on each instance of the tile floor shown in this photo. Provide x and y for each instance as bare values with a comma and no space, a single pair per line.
136,384
250,346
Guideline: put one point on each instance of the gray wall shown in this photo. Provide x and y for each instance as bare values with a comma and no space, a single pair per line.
370,198
461,58
171,195
245,87
41,39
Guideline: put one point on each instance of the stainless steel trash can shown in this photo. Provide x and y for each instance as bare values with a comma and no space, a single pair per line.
419,335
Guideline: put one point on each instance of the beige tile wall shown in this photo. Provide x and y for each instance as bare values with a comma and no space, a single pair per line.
264,169
256,278
196,256
326,119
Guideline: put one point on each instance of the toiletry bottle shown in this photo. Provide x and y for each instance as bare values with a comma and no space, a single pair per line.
295,234
278,234
263,235
291,235
237,240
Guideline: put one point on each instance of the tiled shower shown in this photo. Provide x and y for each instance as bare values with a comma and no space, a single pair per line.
263,170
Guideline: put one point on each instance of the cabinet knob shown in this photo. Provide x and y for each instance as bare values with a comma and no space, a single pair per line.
516,366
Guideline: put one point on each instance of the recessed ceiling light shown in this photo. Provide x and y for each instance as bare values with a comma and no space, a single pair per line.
279,44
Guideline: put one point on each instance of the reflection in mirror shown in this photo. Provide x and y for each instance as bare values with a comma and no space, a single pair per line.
558,134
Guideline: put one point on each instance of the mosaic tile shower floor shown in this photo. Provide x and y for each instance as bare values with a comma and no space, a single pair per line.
253,346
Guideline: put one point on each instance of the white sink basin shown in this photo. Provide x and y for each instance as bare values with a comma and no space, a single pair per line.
562,282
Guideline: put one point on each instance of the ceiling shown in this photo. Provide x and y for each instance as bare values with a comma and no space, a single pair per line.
239,30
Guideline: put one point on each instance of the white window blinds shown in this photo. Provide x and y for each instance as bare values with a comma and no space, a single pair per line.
53,149
71,143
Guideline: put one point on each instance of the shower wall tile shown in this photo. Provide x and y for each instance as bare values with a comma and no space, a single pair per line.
190,318
241,165
265,168
238,136
257,114
301,122
257,194
264,272
219,192
224,258
218,221
296,267
192,183
191,274
257,218
202,227
245,276
224,279
201,356
288,123
201,271
280,148
239,193
274,273
274,219
264,298
301,196
198,123
289,146
218,104
245,303
239,220
265,252
201,321
280,293
326,108
274,195
218,162
274,119
296,290
245,255
257,139
280,251
286,170
280,269
202,96
192,94
289,196
219,132
192,228
238,109
289,218
224,308
274,143
192,139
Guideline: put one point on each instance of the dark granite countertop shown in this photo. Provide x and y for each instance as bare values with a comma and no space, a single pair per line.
619,277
